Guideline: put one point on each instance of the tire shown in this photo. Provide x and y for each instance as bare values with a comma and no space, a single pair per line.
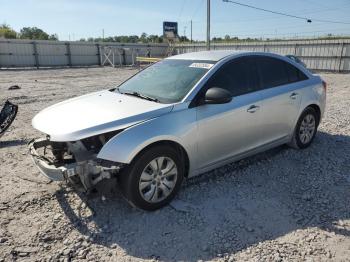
143,177
306,129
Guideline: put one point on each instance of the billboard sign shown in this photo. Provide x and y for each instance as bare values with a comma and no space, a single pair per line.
169,28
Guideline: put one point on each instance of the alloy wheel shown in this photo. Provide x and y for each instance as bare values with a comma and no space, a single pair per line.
158,179
307,128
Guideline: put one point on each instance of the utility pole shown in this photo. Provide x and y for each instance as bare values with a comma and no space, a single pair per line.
208,24
191,31
103,34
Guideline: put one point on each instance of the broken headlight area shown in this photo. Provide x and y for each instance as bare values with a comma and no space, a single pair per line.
95,143
75,162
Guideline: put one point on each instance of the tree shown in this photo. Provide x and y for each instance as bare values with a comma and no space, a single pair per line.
7,32
53,37
108,39
36,33
133,39
143,38
216,39
154,39
184,39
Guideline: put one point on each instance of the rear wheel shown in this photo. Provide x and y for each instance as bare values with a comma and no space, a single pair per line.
153,178
305,129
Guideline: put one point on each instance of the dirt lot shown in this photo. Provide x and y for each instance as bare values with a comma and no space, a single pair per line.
282,205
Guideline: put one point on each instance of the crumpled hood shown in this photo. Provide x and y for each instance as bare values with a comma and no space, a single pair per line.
94,114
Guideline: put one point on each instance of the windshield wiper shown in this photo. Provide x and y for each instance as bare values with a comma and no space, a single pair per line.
137,94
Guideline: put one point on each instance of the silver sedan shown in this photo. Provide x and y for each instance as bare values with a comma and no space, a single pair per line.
178,118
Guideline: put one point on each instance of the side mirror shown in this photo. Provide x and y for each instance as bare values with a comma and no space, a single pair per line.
217,95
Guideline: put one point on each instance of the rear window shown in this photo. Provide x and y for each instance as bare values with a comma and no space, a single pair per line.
275,72
294,73
272,72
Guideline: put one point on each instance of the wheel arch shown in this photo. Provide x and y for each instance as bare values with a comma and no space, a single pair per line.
126,149
314,105
295,139
177,146
317,109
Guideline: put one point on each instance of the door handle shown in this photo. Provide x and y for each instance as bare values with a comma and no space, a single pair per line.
253,109
294,95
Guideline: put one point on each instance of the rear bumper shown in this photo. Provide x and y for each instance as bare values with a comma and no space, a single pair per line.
46,168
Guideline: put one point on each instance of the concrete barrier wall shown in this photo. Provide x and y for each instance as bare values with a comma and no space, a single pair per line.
325,55
29,53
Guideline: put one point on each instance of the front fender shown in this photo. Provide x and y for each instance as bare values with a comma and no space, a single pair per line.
178,126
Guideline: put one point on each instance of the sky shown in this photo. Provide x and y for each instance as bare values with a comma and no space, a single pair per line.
75,19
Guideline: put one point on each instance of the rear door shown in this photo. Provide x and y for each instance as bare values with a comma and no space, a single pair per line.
281,97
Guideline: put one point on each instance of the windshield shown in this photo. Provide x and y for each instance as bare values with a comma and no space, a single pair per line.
167,81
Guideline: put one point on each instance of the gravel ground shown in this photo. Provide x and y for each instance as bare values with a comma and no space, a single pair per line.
282,205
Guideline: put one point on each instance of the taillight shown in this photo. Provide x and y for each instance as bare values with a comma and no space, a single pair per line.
324,85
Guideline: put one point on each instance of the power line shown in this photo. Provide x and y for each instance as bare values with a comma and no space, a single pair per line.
301,12
269,28
287,34
269,11
274,18
309,20
269,17
330,21
267,31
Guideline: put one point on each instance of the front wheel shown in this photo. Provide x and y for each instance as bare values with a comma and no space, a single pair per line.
153,178
305,129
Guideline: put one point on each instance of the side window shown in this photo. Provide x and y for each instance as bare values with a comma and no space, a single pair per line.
237,76
301,75
272,71
294,73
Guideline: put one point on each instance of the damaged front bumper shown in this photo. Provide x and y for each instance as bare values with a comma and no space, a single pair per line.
46,167
85,174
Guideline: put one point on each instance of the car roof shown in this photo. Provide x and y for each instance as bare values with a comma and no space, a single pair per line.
214,55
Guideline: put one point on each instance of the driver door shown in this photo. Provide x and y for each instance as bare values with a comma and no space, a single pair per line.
226,130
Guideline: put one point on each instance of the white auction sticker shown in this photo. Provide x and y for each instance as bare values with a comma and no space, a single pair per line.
201,65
